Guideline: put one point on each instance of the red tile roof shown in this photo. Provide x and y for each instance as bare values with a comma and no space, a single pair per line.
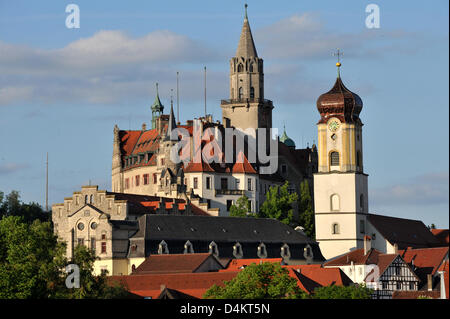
242,165
172,263
194,284
441,235
239,264
357,257
128,140
427,259
311,277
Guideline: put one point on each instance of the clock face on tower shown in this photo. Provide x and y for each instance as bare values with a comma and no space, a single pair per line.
333,125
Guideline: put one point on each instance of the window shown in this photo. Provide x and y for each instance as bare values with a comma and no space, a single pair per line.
412,286
208,182
137,179
80,241
335,202
285,252
188,248
155,178
145,177
240,67
195,182
224,183
238,182
237,251
241,93
163,248
334,159
252,92
213,249
80,226
103,251
251,67
335,229
127,183
86,199
103,236
397,270
262,251
229,203
249,184
362,228
283,169
162,161
384,285
399,285
93,244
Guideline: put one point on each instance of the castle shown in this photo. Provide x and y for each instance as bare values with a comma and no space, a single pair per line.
159,205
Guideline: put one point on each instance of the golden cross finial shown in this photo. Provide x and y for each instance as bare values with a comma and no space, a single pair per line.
338,53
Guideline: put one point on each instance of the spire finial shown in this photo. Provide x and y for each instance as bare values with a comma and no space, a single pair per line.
157,88
338,53
246,5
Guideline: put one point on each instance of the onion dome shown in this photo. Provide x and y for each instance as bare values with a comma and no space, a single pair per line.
340,102
286,140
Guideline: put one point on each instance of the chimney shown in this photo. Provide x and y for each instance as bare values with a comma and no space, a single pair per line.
430,282
162,287
443,296
396,248
367,244
144,126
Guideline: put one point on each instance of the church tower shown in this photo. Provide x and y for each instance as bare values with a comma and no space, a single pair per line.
157,108
246,106
340,186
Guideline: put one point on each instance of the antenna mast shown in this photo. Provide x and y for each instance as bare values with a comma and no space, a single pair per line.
178,102
46,185
205,92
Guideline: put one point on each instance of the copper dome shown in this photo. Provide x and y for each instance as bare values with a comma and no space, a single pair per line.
339,102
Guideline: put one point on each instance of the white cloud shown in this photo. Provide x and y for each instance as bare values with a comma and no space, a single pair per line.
9,168
428,189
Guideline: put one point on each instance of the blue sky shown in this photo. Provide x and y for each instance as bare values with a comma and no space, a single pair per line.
62,90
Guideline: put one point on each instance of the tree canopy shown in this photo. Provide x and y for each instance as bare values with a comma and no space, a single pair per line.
305,210
278,204
342,292
263,281
241,209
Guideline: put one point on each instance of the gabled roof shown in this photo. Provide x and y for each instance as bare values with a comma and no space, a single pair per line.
356,257
403,232
426,261
173,263
311,277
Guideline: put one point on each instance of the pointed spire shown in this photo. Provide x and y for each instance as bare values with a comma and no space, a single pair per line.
157,105
172,123
246,47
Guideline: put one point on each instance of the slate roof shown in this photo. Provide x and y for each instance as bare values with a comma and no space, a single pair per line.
403,232
173,263
229,229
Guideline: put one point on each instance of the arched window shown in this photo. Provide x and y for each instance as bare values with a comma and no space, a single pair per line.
92,199
188,248
86,198
241,93
252,92
262,251
237,251
307,252
334,158
163,248
240,67
213,249
285,252
335,202
335,229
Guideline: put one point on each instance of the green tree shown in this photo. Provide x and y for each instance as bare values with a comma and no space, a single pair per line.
263,281
278,204
342,292
32,264
11,205
305,209
241,209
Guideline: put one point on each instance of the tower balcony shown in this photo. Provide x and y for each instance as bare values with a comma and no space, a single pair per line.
239,192
245,101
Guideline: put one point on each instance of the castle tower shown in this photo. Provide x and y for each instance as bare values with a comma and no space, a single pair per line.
246,106
340,186
157,108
